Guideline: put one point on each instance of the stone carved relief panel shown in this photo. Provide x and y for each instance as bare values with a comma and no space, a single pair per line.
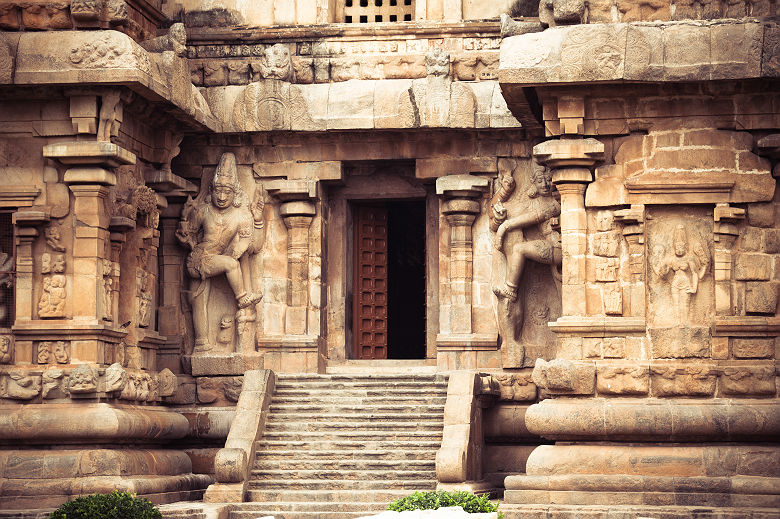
524,215
6,349
680,284
224,229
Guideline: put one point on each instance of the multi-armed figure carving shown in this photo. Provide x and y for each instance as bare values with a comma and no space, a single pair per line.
536,208
225,232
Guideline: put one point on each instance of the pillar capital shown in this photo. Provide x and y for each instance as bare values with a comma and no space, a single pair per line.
461,186
569,152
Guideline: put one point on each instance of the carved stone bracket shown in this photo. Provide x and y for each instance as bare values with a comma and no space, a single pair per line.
460,206
297,208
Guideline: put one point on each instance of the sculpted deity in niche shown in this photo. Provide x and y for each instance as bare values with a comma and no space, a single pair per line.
225,233
686,268
533,233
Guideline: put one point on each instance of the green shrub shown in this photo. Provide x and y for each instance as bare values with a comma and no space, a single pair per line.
433,500
107,506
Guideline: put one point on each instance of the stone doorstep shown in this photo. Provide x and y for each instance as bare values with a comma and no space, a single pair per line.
404,367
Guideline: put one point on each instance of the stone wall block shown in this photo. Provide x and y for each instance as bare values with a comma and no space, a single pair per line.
736,50
753,348
680,342
752,267
772,241
761,297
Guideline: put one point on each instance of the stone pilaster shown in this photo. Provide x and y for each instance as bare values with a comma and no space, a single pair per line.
570,160
298,349
461,204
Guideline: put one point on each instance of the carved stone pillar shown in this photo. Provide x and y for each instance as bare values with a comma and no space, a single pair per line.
460,205
569,160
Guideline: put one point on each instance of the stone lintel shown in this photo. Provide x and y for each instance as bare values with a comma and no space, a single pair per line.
30,218
455,186
745,325
289,190
18,196
290,343
208,363
598,326
84,153
298,170
467,342
53,330
166,182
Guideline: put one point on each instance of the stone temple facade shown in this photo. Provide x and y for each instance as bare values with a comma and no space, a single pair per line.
566,217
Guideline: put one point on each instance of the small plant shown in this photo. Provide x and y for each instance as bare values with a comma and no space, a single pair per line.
434,500
115,505
524,8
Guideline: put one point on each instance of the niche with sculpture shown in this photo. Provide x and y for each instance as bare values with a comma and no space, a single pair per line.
224,230
524,215
680,287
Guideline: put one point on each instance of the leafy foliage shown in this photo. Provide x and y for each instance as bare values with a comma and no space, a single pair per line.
524,8
434,500
116,505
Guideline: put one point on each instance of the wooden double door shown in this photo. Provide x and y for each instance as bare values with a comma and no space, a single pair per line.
389,280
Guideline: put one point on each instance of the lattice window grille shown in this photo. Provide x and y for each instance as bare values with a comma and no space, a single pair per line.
378,11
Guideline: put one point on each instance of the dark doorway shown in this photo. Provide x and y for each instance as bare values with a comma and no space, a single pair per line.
389,280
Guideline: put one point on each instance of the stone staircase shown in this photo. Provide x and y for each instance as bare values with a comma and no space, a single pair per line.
340,445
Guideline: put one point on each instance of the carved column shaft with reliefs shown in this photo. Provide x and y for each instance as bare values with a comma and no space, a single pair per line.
460,207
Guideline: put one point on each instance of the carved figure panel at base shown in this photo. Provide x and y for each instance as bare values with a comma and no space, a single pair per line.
526,229
225,232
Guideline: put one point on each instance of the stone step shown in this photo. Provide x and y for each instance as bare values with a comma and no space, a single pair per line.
273,508
399,376
357,400
260,513
274,426
335,418
407,485
337,475
336,464
330,408
349,434
366,384
280,453
327,496
325,447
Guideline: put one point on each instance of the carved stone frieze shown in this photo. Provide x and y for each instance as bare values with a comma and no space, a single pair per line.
82,380
18,385
6,349
517,387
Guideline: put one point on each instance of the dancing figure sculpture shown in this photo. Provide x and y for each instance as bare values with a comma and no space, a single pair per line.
536,209
222,229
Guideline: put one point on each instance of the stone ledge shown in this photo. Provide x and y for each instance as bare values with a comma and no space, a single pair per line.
63,423
654,420
74,57
641,52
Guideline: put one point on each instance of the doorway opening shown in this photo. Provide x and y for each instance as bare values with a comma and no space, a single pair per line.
389,280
